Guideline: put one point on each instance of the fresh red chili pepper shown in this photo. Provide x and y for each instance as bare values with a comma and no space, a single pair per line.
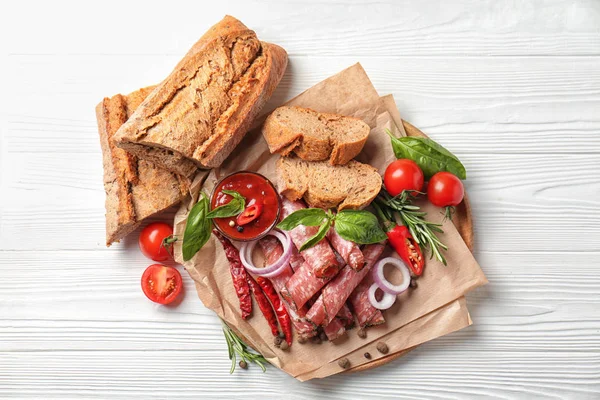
282,315
407,248
250,213
403,242
238,275
264,305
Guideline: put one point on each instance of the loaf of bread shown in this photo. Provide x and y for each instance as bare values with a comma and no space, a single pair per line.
315,136
353,185
135,189
203,109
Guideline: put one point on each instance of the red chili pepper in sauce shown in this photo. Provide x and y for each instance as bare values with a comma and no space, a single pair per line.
282,315
406,246
250,213
238,275
264,305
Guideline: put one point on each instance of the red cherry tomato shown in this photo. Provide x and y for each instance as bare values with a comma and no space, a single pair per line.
252,212
445,189
403,174
161,284
151,241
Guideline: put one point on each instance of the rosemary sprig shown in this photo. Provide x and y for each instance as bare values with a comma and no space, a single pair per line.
236,347
410,215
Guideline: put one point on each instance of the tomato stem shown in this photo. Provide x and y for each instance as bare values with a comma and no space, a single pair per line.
168,242
449,212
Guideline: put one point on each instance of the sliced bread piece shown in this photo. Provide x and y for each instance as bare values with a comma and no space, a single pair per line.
353,185
203,109
135,189
315,136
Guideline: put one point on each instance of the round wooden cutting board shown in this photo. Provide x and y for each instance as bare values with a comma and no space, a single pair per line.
463,221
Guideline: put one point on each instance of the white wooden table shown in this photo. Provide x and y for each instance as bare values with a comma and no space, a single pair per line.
513,89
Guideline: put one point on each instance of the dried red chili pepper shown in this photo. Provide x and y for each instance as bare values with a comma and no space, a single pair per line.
403,242
264,305
238,275
282,315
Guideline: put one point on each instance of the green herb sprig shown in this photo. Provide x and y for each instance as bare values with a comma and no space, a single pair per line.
237,347
358,226
199,221
197,228
231,209
424,232
429,155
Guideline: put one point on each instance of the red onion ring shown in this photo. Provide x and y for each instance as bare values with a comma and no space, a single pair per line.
383,283
271,270
386,302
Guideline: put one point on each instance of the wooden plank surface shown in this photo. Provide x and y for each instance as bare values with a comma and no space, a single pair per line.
513,88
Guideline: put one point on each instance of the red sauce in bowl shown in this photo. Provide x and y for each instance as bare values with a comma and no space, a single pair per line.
256,189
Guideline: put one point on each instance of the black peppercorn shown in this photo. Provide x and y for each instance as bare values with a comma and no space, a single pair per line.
240,228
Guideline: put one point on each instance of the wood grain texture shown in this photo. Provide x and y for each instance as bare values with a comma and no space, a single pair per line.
513,88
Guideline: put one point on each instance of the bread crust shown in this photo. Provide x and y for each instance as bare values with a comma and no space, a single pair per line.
284,137
135,189
203,109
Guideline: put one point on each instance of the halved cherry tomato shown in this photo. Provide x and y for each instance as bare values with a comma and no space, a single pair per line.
151,241
403,174
161,284
252,211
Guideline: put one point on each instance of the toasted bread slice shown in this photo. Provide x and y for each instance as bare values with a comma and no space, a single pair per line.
353,185
203,109
315,136
135,189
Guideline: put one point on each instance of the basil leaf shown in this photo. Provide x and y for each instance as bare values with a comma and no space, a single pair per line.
197,228
323,229
429,155
231,209
359,226
305,216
